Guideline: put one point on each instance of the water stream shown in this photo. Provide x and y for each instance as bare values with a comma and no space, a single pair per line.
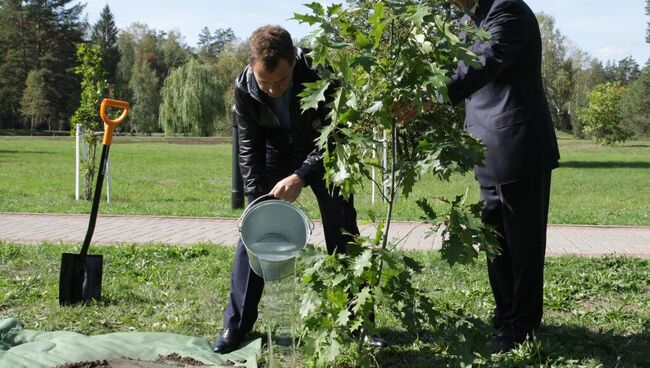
279,299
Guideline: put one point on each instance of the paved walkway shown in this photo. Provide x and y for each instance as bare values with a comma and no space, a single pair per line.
37,228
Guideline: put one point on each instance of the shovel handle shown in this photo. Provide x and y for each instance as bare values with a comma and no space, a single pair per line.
109,125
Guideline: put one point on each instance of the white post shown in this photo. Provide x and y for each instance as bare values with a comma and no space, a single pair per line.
108,181
77,162
385,165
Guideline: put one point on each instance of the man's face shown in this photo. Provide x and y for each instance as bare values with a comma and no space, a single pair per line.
274,83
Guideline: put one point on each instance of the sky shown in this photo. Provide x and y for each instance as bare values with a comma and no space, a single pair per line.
606,29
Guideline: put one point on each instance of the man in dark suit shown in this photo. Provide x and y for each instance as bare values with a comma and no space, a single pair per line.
278,156
506,109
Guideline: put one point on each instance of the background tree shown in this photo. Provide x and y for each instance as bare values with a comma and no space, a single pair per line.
602,116
173,51
162,52
635,105
557,71
34,103
221,38
191,101
210,45
34,35
647,12
105,35
587,73
93,85
624,72
124,70
145,85
232,61
204,43
12,77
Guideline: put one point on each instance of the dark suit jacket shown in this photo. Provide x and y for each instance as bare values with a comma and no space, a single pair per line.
504,101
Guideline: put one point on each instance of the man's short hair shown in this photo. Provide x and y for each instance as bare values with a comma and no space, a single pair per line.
270,44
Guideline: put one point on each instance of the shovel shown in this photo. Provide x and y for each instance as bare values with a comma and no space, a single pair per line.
81,274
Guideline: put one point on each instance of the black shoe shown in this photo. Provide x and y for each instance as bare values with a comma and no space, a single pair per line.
507,342
375,341
228,341
502,344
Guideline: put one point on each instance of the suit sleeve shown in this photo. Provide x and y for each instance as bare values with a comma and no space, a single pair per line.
252,147
507,25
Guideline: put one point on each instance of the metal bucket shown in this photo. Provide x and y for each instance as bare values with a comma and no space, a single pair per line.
273,232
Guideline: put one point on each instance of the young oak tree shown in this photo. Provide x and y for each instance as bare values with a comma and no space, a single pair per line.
377,57
93,86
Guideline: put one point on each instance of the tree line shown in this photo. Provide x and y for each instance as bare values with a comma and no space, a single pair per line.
606,101
183,90
47,53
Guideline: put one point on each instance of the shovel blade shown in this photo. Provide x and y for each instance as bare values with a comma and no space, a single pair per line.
80,279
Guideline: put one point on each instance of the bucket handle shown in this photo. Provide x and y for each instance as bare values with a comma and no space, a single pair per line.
239,220
266,196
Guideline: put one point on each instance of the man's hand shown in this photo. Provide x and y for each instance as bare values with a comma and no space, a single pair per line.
288,188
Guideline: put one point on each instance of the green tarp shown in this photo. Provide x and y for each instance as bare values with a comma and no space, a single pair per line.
21,347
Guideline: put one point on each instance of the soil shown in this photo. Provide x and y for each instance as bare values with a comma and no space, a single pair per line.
167,361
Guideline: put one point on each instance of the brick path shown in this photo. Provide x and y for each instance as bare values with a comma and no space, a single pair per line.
54,228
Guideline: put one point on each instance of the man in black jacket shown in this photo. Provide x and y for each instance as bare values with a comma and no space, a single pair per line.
506,109
278,155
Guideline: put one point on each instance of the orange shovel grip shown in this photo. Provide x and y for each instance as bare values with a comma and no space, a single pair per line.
109,125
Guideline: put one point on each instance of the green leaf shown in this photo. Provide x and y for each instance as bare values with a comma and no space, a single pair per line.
366,61
313,93
362,262
343,318
361,299
306,18
310,301
412,264
417,18
408,176
379,234
356,324
341,63
339,44
334,349
317,8
376,106
430,214
334,9
378,22
362,41
339,279
337,297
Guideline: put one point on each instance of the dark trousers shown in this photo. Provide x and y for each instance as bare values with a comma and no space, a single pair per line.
519,211
246,286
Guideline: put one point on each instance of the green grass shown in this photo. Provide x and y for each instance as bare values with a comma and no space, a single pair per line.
595,185
597,310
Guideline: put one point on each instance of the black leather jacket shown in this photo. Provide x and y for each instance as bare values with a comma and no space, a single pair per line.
267,151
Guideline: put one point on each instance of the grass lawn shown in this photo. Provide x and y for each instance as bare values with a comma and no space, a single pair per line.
597,310
595,185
